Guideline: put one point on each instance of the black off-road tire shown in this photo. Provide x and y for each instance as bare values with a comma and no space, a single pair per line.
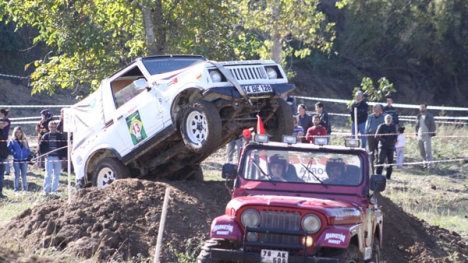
376,255
197,175
201,127
281,123
205,255
108,170
352,255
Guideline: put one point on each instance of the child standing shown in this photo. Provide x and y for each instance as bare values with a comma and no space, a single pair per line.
298,130
400,147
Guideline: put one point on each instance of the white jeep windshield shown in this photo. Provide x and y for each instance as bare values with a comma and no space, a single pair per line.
303,167
158,65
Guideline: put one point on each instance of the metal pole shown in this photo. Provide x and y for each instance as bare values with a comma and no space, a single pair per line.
355,124
161,226
69,165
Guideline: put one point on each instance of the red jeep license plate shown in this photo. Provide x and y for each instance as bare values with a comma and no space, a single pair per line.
274,256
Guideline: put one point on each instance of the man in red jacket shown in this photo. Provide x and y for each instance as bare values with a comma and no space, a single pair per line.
316,131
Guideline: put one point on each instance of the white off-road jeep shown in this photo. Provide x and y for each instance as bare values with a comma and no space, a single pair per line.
161,116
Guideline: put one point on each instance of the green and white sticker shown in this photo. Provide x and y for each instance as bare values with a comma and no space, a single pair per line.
135,127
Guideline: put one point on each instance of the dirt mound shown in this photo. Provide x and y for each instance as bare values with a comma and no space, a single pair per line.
409,239
121,223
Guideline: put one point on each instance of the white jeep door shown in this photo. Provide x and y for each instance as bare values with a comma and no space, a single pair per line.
137,116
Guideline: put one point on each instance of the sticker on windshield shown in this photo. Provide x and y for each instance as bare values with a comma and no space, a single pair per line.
135,127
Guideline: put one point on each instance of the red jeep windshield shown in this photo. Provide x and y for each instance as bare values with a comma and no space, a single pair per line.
330,168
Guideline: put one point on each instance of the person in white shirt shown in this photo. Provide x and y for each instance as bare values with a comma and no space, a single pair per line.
400,147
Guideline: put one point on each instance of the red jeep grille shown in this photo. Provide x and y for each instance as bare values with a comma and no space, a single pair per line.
280,220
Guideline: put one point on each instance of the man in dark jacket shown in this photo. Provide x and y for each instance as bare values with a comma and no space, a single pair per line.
387,136
324,120
372,123
53,145
304,120
4,152
361,106
425,130
389,109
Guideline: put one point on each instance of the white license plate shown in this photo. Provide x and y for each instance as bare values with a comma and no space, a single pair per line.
254,89
274,256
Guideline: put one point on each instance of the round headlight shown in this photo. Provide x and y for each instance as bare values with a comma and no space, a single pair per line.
271,73
250,218
215,76
311,223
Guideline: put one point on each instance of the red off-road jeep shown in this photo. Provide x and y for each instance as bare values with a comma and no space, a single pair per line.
299,203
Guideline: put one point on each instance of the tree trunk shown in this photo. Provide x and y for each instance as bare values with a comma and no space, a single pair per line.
276,49
159,28
149,29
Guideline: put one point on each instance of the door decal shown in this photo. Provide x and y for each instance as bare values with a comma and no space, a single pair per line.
135,127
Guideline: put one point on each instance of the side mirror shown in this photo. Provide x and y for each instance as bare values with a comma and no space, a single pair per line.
140,84
229,171
378,183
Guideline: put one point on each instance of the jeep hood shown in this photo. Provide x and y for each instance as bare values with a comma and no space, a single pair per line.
339,210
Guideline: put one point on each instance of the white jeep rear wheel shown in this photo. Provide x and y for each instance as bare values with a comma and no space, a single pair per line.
108,170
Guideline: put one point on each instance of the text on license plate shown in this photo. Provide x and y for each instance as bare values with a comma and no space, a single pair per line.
252,89
274,256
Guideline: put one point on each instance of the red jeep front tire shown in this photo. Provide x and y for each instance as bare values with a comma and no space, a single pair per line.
352,255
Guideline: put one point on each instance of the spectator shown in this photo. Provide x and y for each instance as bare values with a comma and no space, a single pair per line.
6,131
386,134
3,155
298,130
400,147
53,145
65,135
289,100
389,109
231,148
324,120
19,149
372,123
303,119
42,127
425,130
361,106
316,131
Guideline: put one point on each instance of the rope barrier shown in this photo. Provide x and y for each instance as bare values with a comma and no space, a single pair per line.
32,117
396,105
426,162
34,106
13,76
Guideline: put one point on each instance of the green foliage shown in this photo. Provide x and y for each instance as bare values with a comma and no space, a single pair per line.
91,39
385,88
189,255
279,22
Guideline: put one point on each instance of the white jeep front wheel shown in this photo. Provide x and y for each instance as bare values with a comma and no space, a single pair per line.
201,126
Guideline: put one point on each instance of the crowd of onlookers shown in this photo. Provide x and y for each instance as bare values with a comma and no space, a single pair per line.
380,132
50,155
